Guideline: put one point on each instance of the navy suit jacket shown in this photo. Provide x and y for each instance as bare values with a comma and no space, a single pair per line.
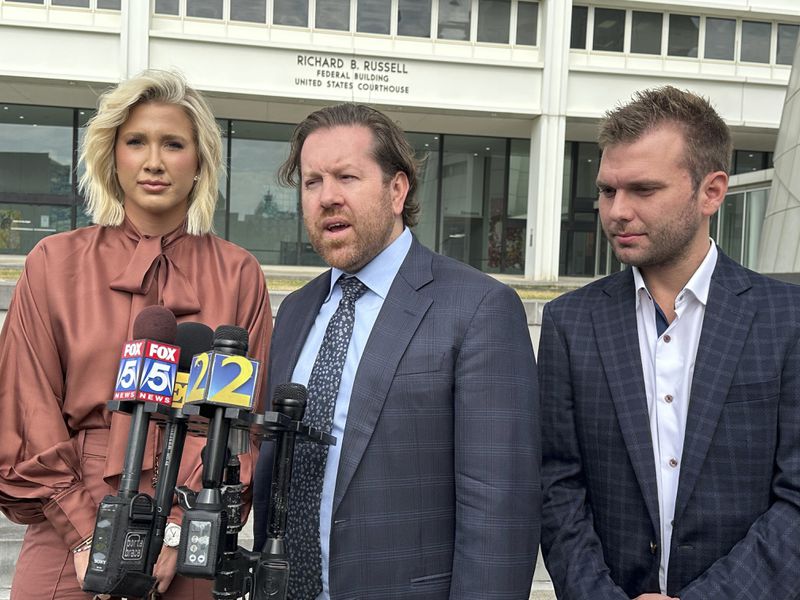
737,515
438,492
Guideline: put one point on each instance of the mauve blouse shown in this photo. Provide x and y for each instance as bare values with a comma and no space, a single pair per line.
72,310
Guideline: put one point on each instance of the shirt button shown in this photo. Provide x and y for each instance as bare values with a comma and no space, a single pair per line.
673,462
668,398
667,339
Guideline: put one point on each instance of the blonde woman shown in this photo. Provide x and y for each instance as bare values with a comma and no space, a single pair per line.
151,155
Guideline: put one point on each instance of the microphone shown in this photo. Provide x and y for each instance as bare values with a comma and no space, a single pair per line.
271,574
121,543
222,384
191,338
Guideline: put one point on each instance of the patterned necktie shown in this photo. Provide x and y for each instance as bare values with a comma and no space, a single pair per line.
302,529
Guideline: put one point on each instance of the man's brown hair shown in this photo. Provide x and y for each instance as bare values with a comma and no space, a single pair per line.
390,148
706,136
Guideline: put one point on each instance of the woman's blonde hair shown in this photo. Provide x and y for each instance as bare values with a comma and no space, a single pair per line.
99,182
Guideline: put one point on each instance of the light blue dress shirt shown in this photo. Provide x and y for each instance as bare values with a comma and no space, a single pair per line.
378,276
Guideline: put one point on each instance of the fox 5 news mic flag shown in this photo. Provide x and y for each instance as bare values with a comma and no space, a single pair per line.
147,372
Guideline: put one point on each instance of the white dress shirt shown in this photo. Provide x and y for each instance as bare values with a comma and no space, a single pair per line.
668,367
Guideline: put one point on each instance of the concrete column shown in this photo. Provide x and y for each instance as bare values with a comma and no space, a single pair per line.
134,37
547,145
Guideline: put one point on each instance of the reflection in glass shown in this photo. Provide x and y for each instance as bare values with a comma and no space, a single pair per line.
251,11
414,18
720,38
166,7
730,219
207,9
787,42
494,19
264,217
577,37
35,174
754,221
373,16
333,14
291,12
109,4
609,29
646,32
527,23
755,41
684,31
513,254
426,147
473,192
579,243
745,161
454,20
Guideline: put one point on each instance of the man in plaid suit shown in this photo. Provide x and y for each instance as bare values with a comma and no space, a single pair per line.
671,390
432,491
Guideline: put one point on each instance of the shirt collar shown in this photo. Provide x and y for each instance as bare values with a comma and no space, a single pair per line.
698,284
379,273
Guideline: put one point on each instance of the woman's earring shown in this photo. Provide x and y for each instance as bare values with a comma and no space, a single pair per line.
196,178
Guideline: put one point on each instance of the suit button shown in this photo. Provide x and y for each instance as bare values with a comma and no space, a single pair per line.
653,547
667,339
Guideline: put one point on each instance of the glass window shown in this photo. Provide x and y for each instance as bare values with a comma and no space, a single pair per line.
754,222
252,11
454,20
609,29
333,14
426,146
527,23
220,210
207,9
745,161
494,19
265,217
36,194
166,7
291,12
730,226
787,42
755,41
31,1
684,31
373,16
646,32
577,36
720,38
109,4
80,3
513,255
473,191
414,18
578,215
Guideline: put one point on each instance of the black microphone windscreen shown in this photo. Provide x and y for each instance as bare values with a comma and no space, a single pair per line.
290,399
192,338
155,323
231,337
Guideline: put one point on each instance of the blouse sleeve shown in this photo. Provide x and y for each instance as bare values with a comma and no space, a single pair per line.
40,472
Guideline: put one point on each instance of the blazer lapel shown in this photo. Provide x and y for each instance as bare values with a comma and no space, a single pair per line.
301,314
726,324
396,324
617,338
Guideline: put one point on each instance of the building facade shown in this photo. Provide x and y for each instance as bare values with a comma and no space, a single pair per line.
500,97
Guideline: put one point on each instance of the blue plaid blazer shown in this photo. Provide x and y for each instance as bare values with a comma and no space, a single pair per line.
737,518
438,494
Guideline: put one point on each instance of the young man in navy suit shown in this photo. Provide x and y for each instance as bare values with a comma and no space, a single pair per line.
670,393
432,491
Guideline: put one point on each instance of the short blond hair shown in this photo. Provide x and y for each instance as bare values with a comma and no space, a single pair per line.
99,182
